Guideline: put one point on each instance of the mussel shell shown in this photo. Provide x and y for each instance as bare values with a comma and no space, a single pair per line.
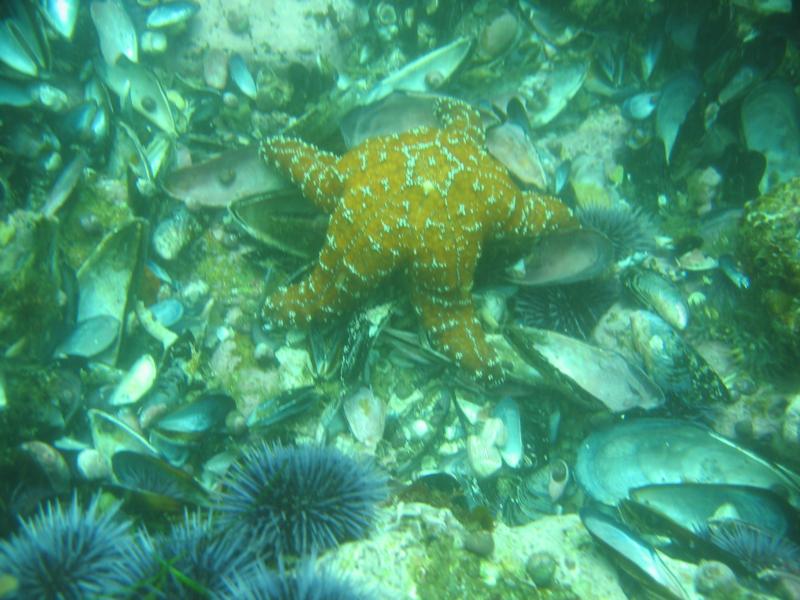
641,452
90,337
115,30
415,76
13,52
677,98
396,113
591,372
566,257
510,144
284,221
62,15
225,179
632,553
110,435
688,507
659,294
106,277
201,415
284,407
241,76
156,484
674,365
771,125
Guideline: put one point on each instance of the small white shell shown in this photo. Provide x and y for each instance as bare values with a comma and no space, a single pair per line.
366,416
92,466
50,462
483,450
136,382
559,477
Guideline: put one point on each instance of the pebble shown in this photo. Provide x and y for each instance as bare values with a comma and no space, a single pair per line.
479,542
541,568
715,578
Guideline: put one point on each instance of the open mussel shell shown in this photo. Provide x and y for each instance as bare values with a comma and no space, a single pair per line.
224,179
633,554
686,509
424,74
396,113
106,277
563,258
602,376
641,452
155,484
284,221
110,435
139,88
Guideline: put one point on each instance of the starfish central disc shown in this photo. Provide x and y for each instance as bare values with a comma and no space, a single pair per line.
421,203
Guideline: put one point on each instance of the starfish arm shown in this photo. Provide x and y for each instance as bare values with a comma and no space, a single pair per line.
315,171
457,115
454,329
533,214
350,266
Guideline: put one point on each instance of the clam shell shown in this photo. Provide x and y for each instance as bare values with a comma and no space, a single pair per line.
689,507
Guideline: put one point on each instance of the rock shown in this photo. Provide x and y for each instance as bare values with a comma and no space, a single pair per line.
417,552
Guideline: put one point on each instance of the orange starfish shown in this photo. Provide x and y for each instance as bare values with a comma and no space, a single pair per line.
422,203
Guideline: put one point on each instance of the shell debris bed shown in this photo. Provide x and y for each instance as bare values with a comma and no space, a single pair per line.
399,298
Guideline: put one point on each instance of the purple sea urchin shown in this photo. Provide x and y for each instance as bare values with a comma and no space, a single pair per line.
754,548
257,583
195,557
68,553
629,228
573,309
298,500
